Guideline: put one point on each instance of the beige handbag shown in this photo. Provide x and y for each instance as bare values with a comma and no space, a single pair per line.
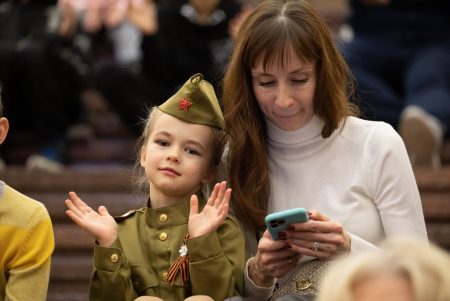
304,281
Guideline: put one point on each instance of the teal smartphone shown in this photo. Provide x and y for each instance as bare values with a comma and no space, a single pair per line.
279,221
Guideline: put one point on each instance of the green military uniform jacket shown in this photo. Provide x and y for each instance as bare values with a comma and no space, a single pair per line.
149,242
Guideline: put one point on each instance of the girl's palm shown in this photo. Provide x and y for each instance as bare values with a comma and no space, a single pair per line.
101,225
212,215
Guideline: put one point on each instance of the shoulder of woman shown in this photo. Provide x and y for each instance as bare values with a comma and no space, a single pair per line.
369,129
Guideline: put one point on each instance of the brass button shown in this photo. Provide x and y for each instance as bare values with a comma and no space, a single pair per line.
165,276
163,236
303,284
163,218
114,258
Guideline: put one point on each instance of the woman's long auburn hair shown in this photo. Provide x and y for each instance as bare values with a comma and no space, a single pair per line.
275,27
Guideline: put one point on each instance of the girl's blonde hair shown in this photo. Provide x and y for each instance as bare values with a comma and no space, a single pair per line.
141,183
426,267
275,27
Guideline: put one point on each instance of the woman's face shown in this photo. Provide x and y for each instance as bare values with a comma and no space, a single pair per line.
285,94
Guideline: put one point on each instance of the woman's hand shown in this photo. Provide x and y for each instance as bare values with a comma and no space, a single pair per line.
273,259
319,237
212,215
101,225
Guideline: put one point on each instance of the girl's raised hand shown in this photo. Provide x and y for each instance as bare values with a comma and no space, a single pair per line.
212,215
101,225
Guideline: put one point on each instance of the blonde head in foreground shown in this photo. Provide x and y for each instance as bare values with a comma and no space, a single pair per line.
404,270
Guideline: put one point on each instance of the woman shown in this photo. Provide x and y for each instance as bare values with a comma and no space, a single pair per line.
294,142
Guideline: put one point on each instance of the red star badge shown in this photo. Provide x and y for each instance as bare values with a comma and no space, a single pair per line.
184,104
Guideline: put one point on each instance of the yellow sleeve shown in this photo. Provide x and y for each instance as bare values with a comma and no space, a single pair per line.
29,272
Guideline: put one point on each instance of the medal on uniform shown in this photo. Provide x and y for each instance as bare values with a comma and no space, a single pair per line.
181,265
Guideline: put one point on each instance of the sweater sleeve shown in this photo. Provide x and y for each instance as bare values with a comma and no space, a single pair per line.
29,272
254,291
111,279
359,244
217,262
393,185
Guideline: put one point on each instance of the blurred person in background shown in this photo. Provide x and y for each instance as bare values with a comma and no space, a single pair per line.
121,21
179,38
26,241
400,57
40,72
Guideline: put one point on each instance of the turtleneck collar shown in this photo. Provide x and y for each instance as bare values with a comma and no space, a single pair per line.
297,141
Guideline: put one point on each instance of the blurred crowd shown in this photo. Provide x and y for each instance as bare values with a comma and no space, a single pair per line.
133,54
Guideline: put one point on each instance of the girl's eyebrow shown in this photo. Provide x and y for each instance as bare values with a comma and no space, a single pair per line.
198,144
162,133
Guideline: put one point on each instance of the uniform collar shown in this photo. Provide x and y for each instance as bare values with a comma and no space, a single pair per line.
170,216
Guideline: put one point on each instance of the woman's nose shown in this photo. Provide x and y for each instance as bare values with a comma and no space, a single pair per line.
284,96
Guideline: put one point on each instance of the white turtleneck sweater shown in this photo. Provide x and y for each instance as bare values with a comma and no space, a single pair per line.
360,176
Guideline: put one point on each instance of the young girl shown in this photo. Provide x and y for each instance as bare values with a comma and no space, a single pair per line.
169,249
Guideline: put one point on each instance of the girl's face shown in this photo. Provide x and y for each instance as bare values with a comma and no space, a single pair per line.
390,287
177,157
286,94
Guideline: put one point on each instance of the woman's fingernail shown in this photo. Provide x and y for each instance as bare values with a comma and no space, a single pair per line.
282,235
290,227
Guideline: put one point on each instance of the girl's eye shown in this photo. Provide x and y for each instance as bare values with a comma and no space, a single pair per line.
161,142
192,151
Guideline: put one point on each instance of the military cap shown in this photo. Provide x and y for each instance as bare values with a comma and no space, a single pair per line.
195,102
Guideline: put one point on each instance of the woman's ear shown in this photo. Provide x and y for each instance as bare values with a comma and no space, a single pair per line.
4,127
